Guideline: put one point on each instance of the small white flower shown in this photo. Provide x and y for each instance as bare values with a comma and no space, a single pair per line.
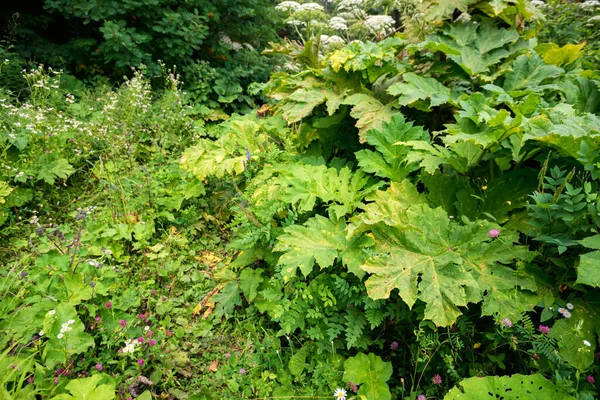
71,321
69,329
588,344
60,336
590,4
567,314
561,310
146,328
340,394
51,312
64,326
570,306
41,333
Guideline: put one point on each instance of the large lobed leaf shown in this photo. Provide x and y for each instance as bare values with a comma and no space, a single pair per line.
508,388
390,159
371,374
429,257
475,47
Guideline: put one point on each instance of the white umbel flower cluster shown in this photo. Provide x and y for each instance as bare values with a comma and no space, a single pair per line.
594,20
350,5
538,4
331,40
590,4
288,6
338,24
380,23
311,7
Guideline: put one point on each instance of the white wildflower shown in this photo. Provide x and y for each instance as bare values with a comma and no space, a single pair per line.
288,6
590,4
570,306
311,7
594,19
51,312
588,344
340,394
60,336
538,4
380,23
71,321
332,40
295,22
235,46
338,24
41,333
350,5
566,314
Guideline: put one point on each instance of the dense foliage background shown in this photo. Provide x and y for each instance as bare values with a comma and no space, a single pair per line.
365,199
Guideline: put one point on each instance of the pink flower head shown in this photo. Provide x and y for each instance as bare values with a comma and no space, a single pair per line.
153,291
123,323
140,362
353,386
30,380
421,397
242,371
108,304
168,333
140,340
142,316
590,379
494,233
98,318
55,381
149,334
152,342
507,323
394,346
227,355
544,329
437,379
98,367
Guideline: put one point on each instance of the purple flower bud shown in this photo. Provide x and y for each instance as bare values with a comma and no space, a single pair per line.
437,379
394,345
494,233
140,340
242,371
247,154
152,342
507,323
123,323
153,291
421,397
590,379
227,355
108,304
244,162
55,381
140,362
98,367
98,318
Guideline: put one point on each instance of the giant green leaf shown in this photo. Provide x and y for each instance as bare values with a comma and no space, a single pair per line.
439,10
319,241
390,159
528,74
563,128
588,271
512,387
415,87
371,374
88,389
369,113
582,328
444,263
303,184
475,47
